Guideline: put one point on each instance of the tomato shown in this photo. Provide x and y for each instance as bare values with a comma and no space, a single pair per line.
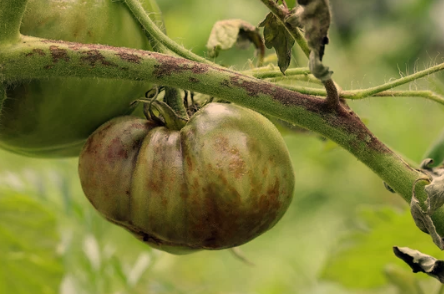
220,181
53,118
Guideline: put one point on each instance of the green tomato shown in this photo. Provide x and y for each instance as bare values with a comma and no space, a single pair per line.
220,181
54,117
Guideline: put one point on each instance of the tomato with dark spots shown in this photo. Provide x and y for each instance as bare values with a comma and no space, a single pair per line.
54,117
219,182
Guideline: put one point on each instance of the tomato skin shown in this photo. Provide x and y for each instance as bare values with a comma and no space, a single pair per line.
54,117
222,180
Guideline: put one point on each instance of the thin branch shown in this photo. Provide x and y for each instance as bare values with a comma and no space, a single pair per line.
268,72
427,94
281,13
430,95
401,81
332,99
305,90
300,78
140,14
11,14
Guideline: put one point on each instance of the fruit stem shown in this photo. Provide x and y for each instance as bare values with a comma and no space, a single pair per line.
171,119
174,100
143,18
11,14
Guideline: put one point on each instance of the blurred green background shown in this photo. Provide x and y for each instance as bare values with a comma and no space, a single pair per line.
338,233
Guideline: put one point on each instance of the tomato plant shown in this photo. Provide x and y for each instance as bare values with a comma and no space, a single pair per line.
53,117
139,175
220,181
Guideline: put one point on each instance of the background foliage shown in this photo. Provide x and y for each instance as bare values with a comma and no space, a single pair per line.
336,236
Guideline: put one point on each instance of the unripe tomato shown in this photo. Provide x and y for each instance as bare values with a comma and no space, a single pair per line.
54,117
220,181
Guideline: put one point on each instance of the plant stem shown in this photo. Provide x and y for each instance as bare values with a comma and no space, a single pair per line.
66,59
430,95
11,14
332,99
305,90
267,72
173,99
401,81
140,14
424,94
300,78
281,13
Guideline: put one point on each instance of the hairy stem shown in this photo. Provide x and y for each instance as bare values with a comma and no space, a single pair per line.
427,94
306,90
174,100
11,14
300,78
267,72
66,59
430,95
401,81
140,14
332,99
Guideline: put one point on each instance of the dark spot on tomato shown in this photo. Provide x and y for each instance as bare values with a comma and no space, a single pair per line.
184,191
236,164
116,151
221,144
190,164
193,80
154,187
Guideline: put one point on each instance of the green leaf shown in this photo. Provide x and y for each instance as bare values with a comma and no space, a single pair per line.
365,252
277,37
29,263
226,33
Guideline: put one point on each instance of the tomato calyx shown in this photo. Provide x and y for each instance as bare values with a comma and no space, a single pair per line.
160,112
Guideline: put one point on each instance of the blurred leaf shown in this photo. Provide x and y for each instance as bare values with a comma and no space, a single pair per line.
28,247
277,36
436,151
330,145
226,33
365,252
402,279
